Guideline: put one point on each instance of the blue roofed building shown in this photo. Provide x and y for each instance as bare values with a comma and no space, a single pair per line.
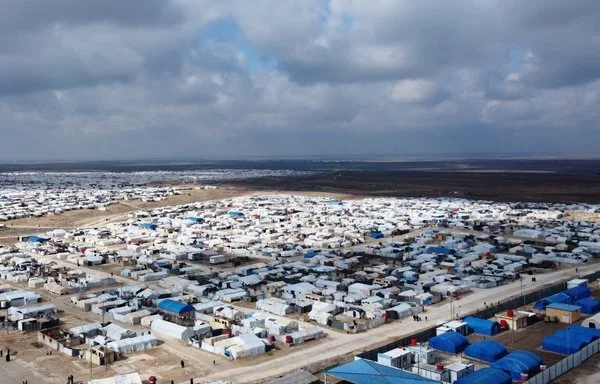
578,328
486,350
519,362
376,235
482,326
369,372
589,305
449,342
486,376
177,312
577,293
441,250
540,305
36,239
561,345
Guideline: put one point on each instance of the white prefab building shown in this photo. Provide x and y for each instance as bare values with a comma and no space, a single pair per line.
172,330
397,358
20,313
18,298
134,344
241,346
577,283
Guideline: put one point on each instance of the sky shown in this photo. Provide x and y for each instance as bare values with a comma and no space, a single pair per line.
113,79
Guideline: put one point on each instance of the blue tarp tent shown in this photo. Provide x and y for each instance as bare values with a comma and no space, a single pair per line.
518,362
561,345
486,376
579,328
36,239
577,293
450,342
589,305
173,306
482,326
540,305
151,226
376,235
441,250
573,335
486,350
369,372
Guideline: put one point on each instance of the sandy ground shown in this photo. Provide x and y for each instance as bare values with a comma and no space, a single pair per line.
583,215
586,373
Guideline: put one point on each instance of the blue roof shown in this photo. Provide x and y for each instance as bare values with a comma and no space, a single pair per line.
574,335
450,342
557,298
369,372
556,344
581,329
442,250
563,307
36,239
589,305
579,292
518,362
486,376
482,326
486,350
175,306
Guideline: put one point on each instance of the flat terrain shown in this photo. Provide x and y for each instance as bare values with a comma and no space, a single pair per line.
114,212
119,212
498,186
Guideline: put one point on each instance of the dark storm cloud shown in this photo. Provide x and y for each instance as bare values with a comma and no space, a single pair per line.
19,16
127,79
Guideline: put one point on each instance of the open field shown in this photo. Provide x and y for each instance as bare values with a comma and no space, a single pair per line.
498,186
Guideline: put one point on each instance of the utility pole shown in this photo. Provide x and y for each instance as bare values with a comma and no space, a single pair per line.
91,373
522,296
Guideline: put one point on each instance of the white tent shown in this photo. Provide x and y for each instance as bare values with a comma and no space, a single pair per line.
592,322
168,329
242,346
134,344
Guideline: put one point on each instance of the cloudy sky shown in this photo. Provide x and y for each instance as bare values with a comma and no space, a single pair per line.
117,79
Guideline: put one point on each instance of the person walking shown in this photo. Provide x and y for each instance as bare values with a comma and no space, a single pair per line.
182,364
